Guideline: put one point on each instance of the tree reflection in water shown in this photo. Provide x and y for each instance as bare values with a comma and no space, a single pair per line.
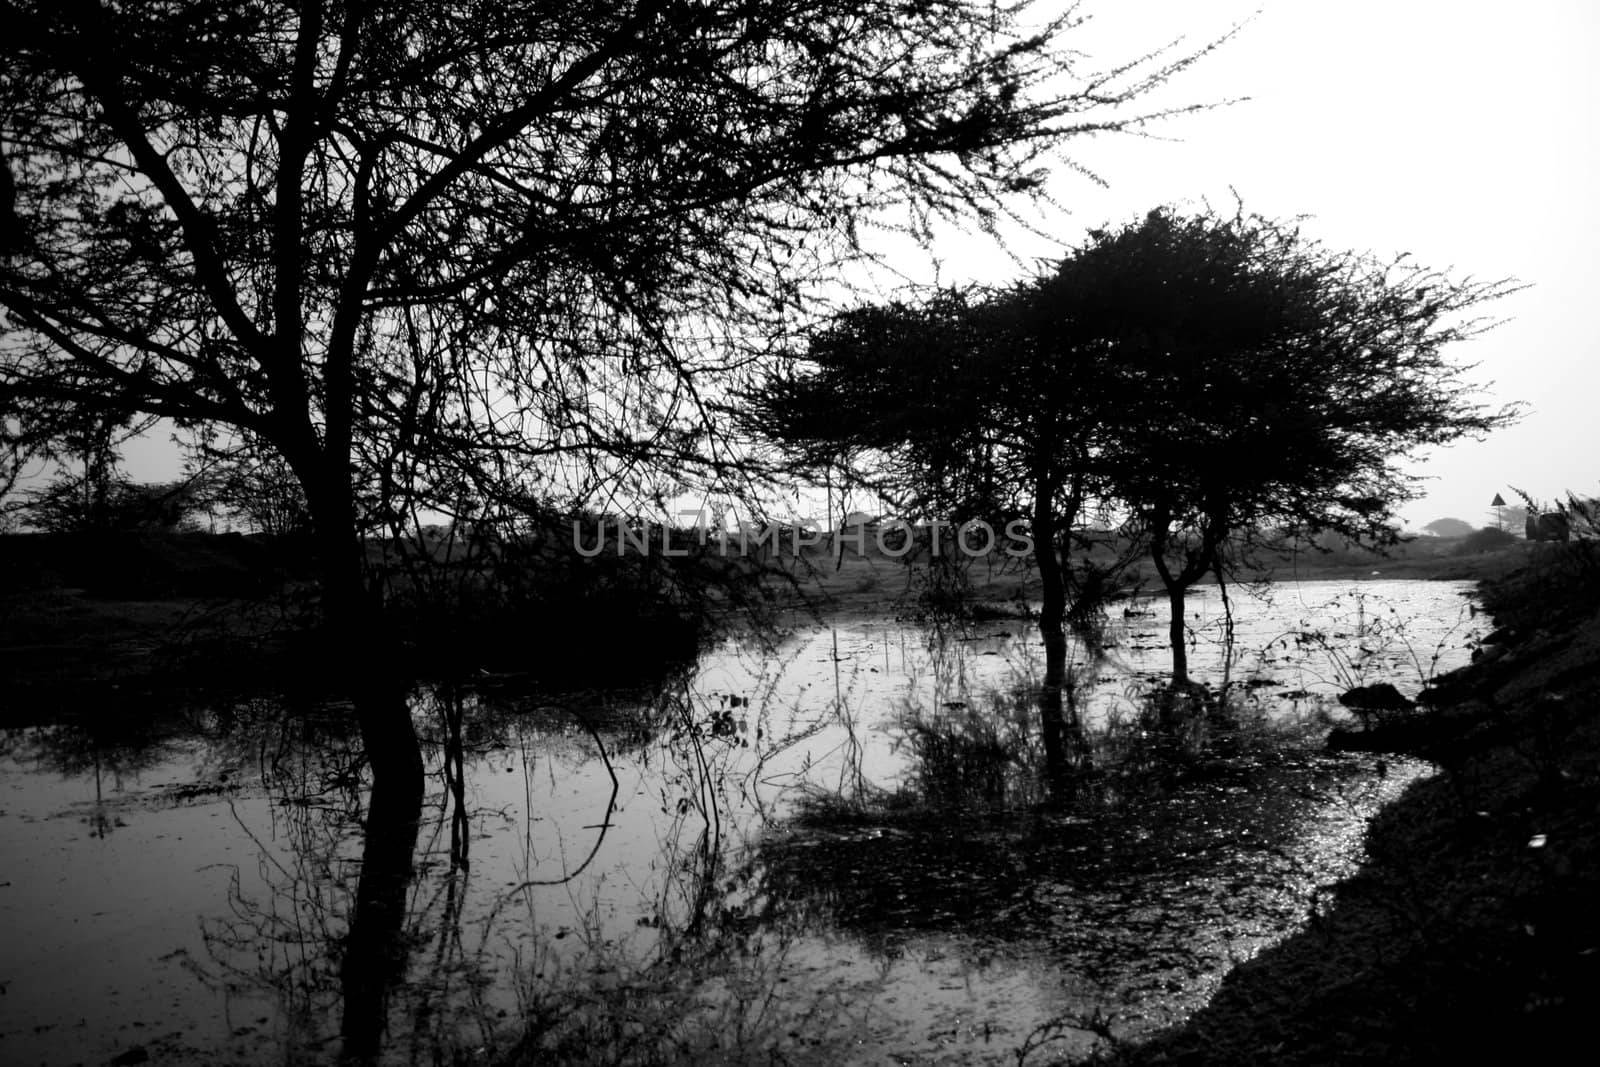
331,921
375,949
364,906
114,746
624,898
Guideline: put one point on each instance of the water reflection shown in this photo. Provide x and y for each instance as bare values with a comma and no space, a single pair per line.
877,841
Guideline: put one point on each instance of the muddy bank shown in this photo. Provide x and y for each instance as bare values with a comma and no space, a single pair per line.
1470,932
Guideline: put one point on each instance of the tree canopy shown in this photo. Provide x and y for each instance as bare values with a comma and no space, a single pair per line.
959,407
1273,383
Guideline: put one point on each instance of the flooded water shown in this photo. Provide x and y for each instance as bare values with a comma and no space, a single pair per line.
852,846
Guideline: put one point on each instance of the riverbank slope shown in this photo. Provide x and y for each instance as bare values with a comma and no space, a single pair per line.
1471,932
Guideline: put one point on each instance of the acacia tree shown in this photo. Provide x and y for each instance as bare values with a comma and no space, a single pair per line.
420,247
958,406
87,459
1268,383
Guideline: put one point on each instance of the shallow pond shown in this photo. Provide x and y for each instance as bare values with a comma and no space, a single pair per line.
848,845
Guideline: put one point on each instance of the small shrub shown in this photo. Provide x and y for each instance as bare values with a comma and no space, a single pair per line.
1488,539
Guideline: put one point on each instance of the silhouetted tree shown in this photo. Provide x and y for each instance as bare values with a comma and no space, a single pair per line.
120,505
243,479
959,407
89,490
424,249
1270,383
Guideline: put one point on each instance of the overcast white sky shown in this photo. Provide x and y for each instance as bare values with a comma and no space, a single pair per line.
1461,131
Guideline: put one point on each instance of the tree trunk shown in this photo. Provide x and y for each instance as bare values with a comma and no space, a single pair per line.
1060,733
371,672
363,658
1051,726
1177,633
1065,749
1053,608
1177,584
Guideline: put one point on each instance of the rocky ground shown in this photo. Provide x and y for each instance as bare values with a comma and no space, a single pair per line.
1472,932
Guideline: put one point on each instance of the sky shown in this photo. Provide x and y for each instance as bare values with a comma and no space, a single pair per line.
1460,131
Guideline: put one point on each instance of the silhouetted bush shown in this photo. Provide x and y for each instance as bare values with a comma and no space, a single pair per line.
1560,580
1488,539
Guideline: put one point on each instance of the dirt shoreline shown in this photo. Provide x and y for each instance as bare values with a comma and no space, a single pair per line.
1470,934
